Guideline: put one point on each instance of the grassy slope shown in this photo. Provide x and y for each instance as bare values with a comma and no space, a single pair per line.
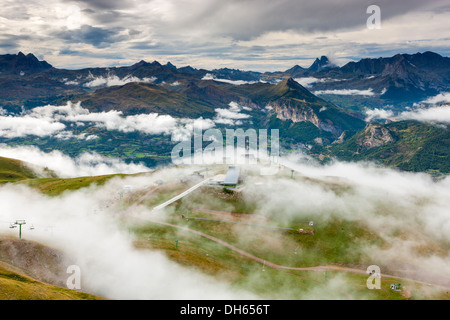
30,271
417,147
14,170
56,186
17,286
329,245
335,242
138,97
202,254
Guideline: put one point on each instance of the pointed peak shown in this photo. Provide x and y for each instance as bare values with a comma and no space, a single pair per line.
18,63
291,84
170,65
32,57
321,63
295,69
187,69
140,64
430,54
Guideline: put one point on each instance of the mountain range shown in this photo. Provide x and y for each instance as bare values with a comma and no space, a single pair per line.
313,114
400,80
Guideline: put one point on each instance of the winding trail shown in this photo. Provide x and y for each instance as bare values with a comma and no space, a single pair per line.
129,213
278,266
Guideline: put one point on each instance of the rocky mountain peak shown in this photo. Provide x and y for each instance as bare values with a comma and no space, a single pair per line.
320,64
375,135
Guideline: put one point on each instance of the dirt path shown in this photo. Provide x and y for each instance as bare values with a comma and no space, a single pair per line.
277,266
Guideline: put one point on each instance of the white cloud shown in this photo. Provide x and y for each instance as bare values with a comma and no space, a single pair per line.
97,242
378,114
48,121
386,201
72,82
113,80
308,82
21,126
381,201
209,76
232,115
66,135
346,92
86,164
441,97
434,114
194,33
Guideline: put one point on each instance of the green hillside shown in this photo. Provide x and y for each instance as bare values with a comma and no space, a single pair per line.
133,98
408,145
17,286
56,186
32,271
235,219
14,170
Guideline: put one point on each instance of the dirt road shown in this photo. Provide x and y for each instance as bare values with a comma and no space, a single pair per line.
277,266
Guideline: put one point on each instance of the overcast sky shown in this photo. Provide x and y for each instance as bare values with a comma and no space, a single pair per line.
261,35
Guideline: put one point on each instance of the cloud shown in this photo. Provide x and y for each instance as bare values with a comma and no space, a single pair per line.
346,92
246,20
86,164
309,82
408,211
433,114
49,121
97,242
232,115
209,76
441,97
378,114
98,37
66,135
387,202
113,80
256,35
13,126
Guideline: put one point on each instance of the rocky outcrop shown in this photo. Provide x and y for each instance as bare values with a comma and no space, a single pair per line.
341,138
304,113
375,136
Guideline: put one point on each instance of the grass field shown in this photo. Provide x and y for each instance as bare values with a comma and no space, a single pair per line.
335,241
17,286
14,170
56,186
212,258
